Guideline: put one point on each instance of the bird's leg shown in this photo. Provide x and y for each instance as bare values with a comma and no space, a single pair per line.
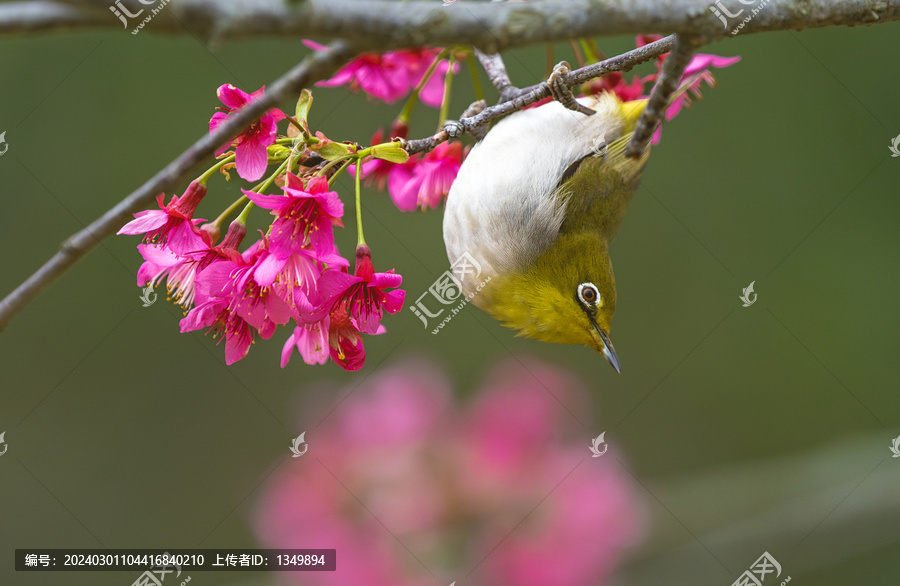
561,92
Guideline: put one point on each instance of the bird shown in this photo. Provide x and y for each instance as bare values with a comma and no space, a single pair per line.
536,205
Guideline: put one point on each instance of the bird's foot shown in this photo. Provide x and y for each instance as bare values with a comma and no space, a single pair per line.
456,128
561,92
474,109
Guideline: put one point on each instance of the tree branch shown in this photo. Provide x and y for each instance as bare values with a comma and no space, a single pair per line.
311,69
384,24
496,71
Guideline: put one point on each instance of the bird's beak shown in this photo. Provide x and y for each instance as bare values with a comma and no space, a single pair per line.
604,345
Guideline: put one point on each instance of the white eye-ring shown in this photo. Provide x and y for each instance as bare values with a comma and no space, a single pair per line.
588,294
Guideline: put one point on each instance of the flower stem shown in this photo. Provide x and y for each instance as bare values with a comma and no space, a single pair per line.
209,173
262,187
579,58
550,60
360,240
229,210
473,71
296,125
242,217
448,83
414,96
331,164
341,170
291,140
589,53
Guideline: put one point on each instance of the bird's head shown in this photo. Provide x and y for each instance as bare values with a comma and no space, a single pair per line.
568,296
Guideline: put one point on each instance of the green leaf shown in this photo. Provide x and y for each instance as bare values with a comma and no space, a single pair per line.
276,150
392,154
331,150
303,105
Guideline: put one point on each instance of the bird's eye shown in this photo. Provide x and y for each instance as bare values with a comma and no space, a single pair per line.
588,294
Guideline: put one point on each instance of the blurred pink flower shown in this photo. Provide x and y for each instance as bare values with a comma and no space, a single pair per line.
424,182
615,82
251,157
392,75
410,489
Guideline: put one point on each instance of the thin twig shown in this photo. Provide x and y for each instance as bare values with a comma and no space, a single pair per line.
520,98
496,72
624,62
315,67
666,84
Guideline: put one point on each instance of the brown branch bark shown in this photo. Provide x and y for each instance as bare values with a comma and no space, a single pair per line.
492,27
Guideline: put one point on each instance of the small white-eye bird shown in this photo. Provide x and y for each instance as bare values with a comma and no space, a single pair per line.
537,203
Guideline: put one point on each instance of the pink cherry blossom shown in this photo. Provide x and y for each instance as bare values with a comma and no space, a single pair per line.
311,340
423,183
172,225
362,295
180,272
251,156
236,305
345,345
305,216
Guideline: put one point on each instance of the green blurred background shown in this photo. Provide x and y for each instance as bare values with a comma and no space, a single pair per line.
747,429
